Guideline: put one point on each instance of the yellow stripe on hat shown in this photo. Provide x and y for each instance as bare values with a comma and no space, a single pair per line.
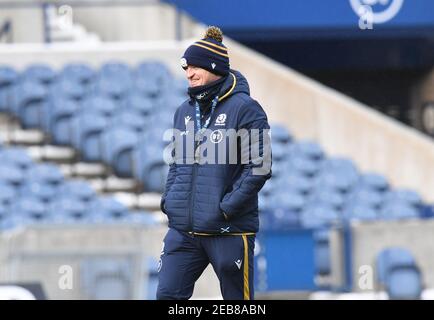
212,50
213,44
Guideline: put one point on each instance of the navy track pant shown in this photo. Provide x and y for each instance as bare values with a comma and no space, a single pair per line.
184,257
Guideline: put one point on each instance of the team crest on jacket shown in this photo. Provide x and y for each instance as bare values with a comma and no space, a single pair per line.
221,119
216,136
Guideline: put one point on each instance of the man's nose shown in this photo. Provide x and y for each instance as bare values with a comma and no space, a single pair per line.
189,72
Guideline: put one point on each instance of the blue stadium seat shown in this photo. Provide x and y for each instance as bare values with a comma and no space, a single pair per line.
296,181
180,86
99,104
12,175
140,104
328,197
280,152
29,207
67,209
148,87
150,167
360,212
340,164
405,196
338,180
16,156
7,194
280,134
308,149
78,189
30,104
8,78
115,69
60,119
322,252
118,144
67,89
374,181
319,216
399,273
130,119
40,190
399,211
108,205
366,197
78,72
302,164
87,130
46,173
156,71
39,72
141,218
113,87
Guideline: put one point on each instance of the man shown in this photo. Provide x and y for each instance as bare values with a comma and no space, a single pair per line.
213,207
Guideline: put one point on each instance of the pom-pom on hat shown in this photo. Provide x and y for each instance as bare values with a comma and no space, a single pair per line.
208,53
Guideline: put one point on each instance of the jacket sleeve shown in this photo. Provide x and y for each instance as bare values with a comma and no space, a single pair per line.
172,172
169,182
257,168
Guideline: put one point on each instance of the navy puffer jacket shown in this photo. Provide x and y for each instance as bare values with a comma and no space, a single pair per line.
197,194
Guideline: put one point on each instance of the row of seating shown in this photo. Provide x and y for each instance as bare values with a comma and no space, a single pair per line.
33,192
312,190
108,115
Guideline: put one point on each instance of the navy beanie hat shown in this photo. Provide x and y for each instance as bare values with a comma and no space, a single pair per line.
208,53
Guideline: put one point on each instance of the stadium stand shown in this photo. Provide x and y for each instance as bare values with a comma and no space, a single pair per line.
107,116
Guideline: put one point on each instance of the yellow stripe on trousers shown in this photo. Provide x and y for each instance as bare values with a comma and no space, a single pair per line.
246,269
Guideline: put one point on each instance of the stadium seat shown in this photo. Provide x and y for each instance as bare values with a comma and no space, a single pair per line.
16,156
59,120
398,272
319,216
399,211
360,212
322,252
78,72
87,130
279,134
67,89
7,195
405,196
328,197
99,104
130,119
30,104
42,191
374,181
78,189
67,209
365,197
41,73
47,173
108,205
8,78
29,207
118,144
302,164
12,175
138,103
308,149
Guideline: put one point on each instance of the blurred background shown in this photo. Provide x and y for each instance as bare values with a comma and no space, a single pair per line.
88,87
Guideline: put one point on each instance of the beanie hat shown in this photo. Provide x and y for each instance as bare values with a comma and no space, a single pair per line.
208,53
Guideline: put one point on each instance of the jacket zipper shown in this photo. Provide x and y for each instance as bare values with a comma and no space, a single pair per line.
193,192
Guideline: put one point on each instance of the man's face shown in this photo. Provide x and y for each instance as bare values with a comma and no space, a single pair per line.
198,77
